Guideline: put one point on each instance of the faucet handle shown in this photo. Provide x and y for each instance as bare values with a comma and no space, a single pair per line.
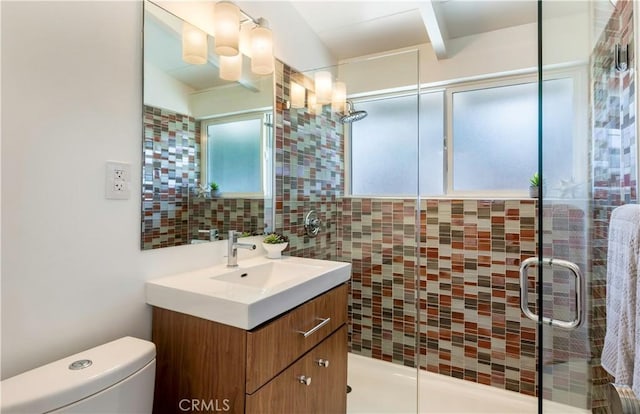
233,236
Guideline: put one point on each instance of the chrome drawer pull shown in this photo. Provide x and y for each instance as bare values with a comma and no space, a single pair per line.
315,328
323,363
303,379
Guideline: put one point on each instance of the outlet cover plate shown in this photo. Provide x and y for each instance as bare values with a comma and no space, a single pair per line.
117,181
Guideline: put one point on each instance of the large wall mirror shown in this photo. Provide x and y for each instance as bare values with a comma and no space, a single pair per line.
200,129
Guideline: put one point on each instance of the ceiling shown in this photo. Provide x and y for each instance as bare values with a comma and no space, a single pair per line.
351,28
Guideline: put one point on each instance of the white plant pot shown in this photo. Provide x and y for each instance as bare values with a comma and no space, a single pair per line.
534,191
274,251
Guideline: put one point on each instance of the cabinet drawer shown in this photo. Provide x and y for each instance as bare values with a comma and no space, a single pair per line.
273,347
325,369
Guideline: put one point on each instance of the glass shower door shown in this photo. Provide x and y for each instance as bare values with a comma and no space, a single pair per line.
579,152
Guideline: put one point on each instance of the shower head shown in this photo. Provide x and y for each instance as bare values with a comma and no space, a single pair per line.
352,115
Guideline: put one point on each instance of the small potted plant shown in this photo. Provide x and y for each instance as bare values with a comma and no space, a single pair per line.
274,244
215,189
534,187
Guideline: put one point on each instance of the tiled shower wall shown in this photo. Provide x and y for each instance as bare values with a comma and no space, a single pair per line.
309,171
470,324
615,165
379,238
172,213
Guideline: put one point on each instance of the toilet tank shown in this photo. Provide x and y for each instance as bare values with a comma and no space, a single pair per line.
117,377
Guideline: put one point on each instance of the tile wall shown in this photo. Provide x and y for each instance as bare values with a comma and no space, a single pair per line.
173,214
224,214
470,326
309,171
567,354
170,168
615,166
379,238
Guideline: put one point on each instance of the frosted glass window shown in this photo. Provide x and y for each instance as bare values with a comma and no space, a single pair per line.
234,151
384,146
498,127
495,136
558,114
431,143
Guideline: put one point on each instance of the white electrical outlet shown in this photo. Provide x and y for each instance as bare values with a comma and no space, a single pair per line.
118,179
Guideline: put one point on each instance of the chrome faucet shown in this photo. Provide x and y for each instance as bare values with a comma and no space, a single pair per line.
213,234
232,249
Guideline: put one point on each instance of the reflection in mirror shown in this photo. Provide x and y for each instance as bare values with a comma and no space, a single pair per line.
200,130
235,155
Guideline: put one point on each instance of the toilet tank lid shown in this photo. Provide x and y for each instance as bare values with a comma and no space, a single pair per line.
55,385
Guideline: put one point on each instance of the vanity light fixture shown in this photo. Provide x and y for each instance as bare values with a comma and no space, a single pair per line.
226,22
297,92
262,48
323,85
194,45
339,98
231,67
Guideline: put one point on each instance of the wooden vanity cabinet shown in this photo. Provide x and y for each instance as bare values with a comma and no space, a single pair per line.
212,367
325,391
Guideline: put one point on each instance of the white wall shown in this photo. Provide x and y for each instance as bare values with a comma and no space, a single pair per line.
72,269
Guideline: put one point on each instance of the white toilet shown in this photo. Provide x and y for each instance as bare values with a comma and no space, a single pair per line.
117,377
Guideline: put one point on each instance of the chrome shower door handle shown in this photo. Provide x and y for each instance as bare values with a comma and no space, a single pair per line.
579,292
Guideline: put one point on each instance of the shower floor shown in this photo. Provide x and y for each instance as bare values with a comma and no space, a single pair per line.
383,387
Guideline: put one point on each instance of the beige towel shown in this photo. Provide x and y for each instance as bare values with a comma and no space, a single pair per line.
621,352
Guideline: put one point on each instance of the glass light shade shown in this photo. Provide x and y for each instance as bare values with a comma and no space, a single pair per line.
339,99
231,67
297,95
226,21
323,87
194,45
261,49
313,105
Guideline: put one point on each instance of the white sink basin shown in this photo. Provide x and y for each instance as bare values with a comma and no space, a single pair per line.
268,275
250,294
